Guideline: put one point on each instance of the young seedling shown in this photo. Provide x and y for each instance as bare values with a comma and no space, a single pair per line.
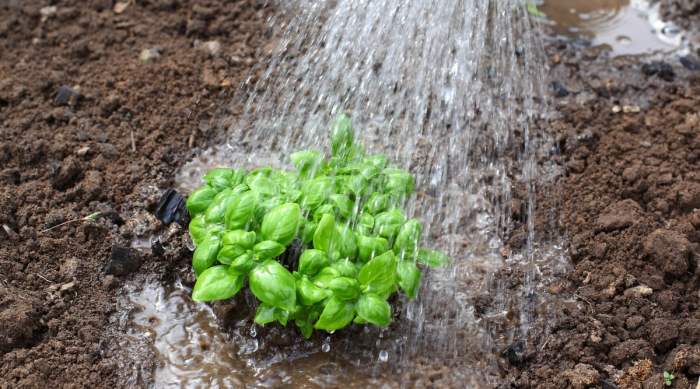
343,217
668,378
89,218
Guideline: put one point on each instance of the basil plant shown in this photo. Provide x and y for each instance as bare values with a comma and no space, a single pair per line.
355,247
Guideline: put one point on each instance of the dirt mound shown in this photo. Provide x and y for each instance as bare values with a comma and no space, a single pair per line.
99,104
630,207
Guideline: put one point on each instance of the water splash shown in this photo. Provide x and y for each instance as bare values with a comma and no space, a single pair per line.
452,90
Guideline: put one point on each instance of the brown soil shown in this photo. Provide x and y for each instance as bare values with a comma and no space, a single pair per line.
630,206
630,200
686,13
106,142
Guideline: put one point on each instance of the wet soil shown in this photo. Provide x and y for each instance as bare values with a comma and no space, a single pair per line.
90,122
686,13
629,136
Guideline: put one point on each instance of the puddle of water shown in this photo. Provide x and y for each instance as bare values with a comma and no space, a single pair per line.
177,343
628,27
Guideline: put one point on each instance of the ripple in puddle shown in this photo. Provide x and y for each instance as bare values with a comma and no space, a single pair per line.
628,27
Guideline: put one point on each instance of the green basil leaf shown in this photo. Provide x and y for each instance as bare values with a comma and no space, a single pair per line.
342,136
359,320
343,204
199,200
346,242
274,285
307,162
282,316
378,161
369,171
432,258
307,234
264,314
370,247
223,178
305,328
408,237
309,293
373,309
304,319
345,268
205,254
228,253
268,249
387,223
281,223
292,196
336,315
240,210
365,224
377,203
262,185
409,278
240,188
198,229
324,236
242,238
325,276
315,192
312,261
322,210
379,274
357,185
397,181
345,288
217,209
243,264
216,283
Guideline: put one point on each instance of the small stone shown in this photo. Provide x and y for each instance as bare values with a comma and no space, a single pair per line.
690,62
149,55
213,48
47,12
616,109
81,152
121,6
109,282
559,89
67,286
638,291
66,96
631,109
123,261
660,69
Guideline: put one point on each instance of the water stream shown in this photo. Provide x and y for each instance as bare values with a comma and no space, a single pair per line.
453,91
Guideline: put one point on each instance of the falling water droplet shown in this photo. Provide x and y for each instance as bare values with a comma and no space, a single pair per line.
383,356
253,331
326,347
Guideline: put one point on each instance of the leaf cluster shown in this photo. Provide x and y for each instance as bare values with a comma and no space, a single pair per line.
358,247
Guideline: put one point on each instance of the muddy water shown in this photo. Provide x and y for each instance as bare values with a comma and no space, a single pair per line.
189,347
628,27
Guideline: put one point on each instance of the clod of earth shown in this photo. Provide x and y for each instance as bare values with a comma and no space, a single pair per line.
122,261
